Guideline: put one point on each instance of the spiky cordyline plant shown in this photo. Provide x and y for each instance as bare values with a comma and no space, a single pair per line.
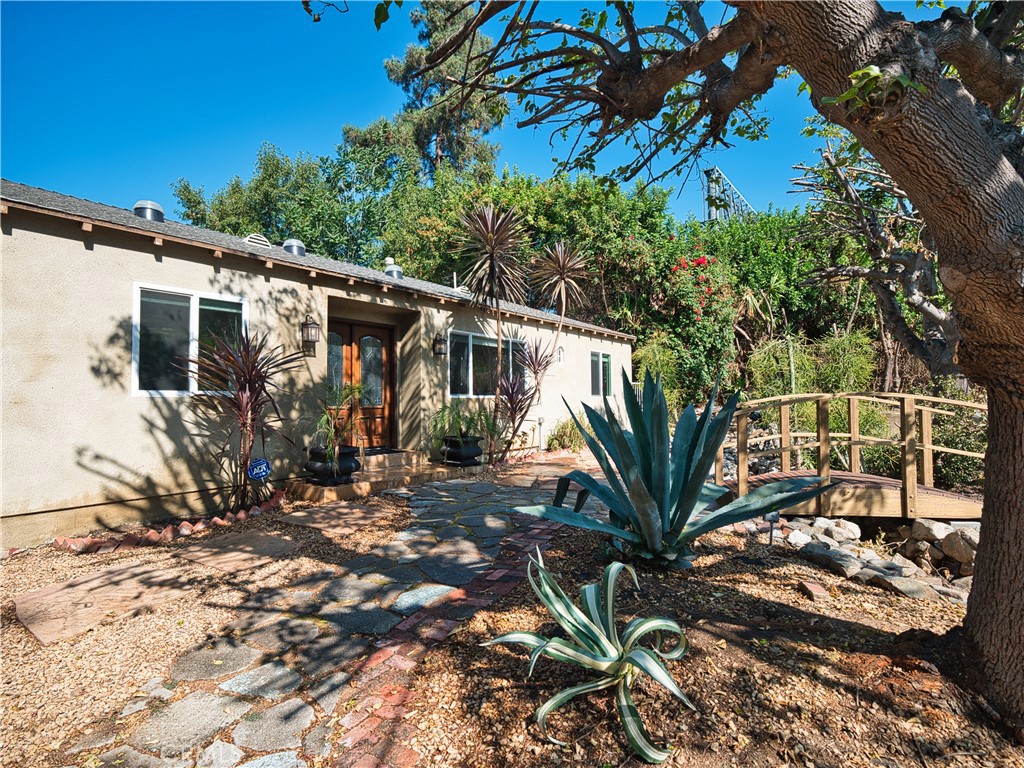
492,239
236,403
594,643
656,483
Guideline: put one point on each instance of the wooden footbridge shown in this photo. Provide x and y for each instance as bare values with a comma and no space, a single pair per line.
907,419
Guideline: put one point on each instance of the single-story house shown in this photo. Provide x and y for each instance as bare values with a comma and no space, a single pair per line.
101,303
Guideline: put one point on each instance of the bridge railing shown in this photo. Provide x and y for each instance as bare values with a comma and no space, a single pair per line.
915,441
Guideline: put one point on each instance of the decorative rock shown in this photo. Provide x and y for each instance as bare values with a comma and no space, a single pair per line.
415,599
187,723
816,553
908,568
271,681
956,595
279,727
915,548
814,590
961,544
851,528
797,539
966,569
126,757
839,534
825,539
220,754
821,523
133,706
843,564
964,583
277,760
934,553
930,530
904,586
225,657
92,741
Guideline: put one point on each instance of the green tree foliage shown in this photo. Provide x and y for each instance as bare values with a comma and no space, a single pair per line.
337,205
438,124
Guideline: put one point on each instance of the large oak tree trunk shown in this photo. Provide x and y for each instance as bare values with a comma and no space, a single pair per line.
995,610
937,147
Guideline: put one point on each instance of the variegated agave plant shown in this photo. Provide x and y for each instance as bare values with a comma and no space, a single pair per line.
657,485
595,643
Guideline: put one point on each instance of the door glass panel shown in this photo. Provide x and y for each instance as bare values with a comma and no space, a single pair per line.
371,364
335,361
458,364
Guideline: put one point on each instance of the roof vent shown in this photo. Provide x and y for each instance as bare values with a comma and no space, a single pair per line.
294,247
149,210
391,269
258,240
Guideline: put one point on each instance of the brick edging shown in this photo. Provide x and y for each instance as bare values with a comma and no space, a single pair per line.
373,733
150,537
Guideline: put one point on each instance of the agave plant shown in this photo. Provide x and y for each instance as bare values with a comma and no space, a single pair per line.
594,643
656,486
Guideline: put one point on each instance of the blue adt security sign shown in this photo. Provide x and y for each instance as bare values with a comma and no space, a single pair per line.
258,469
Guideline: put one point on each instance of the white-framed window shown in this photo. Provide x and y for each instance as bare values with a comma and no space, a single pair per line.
560,355
167,326
473,363
600,374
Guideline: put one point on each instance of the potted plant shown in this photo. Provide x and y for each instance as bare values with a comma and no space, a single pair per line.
452,431
332,454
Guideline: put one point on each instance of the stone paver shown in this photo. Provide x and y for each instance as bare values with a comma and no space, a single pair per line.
277,760
126,757
64,610
279,727
222,658
415,599
220,754
318,741
340,518
271,681
350,589
326,654
188,723
235,552
283,634
359,619
329,691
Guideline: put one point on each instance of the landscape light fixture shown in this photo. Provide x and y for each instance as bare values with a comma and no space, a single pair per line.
440,345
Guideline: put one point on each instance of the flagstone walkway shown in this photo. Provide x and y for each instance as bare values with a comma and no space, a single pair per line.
319,673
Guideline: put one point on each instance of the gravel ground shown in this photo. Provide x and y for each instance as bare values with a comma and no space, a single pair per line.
778,680
53,694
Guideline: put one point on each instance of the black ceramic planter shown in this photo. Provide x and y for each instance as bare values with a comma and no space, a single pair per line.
326,473
461,451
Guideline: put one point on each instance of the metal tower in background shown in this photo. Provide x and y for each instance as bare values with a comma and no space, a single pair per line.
721,198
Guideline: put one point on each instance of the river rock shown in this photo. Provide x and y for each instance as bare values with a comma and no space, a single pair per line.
961,544
908,587
930,530
797,539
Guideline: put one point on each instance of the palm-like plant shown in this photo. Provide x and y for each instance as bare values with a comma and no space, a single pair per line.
656,482
594,643
492,240
557,271
237,404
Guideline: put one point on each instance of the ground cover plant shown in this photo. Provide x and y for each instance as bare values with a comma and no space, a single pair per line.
595,644
656,480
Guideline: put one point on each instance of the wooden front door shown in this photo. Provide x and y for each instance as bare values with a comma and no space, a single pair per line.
363,354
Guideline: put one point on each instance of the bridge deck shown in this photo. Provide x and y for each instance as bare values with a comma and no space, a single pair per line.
860,495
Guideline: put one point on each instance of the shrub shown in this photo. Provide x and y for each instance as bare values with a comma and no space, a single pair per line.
566,436
965,430
595,644
656,484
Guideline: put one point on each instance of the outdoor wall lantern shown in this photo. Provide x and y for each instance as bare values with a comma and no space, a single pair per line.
310,330
440,345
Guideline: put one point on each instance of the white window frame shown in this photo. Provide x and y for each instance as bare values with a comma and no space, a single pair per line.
193,333
470,335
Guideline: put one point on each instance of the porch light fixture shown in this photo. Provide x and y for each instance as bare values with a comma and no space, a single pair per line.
310,330
440,345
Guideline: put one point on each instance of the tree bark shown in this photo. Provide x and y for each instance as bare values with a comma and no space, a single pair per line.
937,148
995,609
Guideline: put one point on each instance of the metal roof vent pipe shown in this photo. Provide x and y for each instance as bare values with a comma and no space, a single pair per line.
149,210
391,269
294,247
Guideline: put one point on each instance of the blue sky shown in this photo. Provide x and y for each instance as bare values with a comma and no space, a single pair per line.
114,101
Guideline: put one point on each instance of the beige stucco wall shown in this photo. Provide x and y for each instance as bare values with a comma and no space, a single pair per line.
80,452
